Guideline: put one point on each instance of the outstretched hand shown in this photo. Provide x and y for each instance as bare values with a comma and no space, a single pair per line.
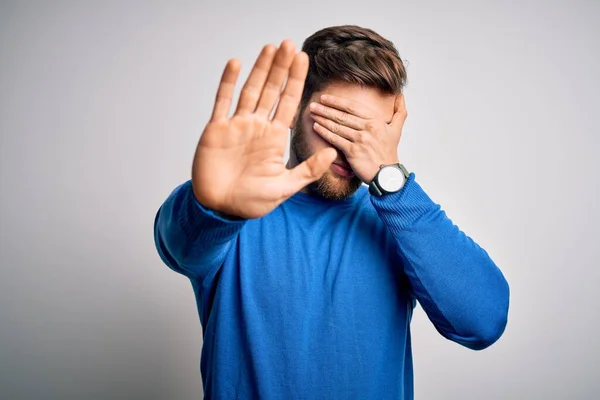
238,166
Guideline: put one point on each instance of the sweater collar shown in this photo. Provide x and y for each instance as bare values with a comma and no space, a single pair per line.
305,198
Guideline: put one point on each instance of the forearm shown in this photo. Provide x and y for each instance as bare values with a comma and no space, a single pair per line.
453,278
190,239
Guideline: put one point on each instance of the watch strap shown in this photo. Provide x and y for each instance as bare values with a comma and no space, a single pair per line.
374,189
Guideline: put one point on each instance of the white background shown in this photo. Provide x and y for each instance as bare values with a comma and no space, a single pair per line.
102,104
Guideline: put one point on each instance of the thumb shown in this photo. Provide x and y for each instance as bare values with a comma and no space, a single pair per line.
310,170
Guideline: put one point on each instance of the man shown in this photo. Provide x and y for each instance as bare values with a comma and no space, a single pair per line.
306,279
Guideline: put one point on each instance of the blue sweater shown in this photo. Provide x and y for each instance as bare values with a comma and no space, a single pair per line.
314,300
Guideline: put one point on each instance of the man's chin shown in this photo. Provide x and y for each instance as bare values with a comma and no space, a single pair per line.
333,187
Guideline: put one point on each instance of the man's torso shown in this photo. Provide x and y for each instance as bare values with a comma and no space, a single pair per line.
311,302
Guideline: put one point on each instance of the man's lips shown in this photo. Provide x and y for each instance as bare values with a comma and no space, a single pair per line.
343,170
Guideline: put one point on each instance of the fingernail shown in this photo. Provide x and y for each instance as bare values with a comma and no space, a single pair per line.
313,106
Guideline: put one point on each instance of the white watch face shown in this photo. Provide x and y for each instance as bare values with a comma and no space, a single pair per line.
391,179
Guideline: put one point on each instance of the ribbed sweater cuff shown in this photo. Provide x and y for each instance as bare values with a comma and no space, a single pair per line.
400,210
199,223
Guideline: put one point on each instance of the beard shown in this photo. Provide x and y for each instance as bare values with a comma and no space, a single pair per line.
330,186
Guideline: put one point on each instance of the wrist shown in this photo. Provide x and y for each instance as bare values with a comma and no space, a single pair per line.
377,167
208,206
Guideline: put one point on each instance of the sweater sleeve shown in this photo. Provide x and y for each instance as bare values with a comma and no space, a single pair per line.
460,288
190,239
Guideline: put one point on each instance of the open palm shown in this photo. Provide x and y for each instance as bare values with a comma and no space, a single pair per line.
239,164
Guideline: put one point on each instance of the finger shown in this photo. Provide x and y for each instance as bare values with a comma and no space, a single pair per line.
350,106
400,112
335,140
254,84
338,129
290,98
338,116
225,91
308,171
279,71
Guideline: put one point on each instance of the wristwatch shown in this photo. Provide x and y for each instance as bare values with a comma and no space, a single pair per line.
389,179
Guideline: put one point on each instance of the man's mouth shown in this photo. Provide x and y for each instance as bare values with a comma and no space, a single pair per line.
342,169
